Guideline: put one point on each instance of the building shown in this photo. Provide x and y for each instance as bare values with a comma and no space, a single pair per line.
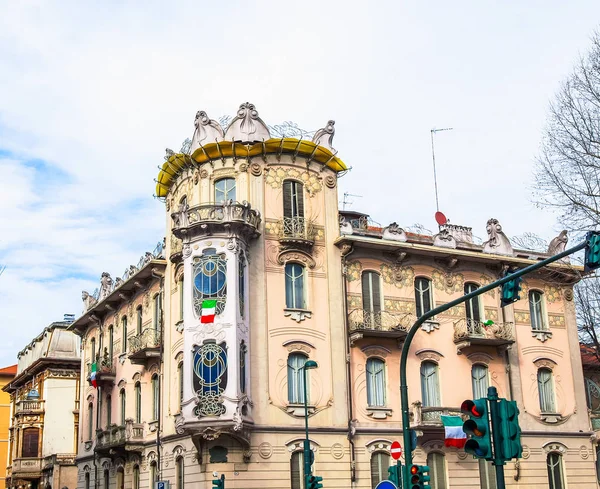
45,412
252,223
6,375
591,371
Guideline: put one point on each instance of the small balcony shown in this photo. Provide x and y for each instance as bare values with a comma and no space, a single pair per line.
26,468
116,439
29,407
430,418
297,230
363,323
219,219
105,372
469,332
144,346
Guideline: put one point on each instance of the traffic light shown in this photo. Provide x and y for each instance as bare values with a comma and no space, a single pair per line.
510,432
510,291
395,475
219,483
477,427
314,482
419,477
592,251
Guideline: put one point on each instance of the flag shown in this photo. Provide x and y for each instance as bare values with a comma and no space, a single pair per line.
454,434
93,375
208,311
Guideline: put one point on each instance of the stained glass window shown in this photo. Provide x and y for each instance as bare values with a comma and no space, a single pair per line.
210,280
210,378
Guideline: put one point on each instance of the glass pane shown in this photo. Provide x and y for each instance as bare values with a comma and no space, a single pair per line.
555,476
479,377
294,286
210,281
296,470
379,468
108,411
371,293
224,190
535,310
422,295
296,378
546,390
429,385
375,382
472,305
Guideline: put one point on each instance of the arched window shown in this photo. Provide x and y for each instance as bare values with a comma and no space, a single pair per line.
87,480
124,326
479,380
294,286
180,288
293,200
157,312
295,378
108,410
93,348
296,470
423,297
122,405
179,473
472,306
375,382
555,471
224,190
153,474
546,390
243,352
138,402
136,477
120,478
180,378
371,295
139,320
437,470
155,397
111,340
241,283
380,462
430,386
90,421
106,479
536,311
210,280
31,438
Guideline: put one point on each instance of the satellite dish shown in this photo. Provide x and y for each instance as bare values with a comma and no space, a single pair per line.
440,218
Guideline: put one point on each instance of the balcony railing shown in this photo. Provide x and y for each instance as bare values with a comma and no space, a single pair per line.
105,371
470,332
297,229
119,436
23,467
144,345
27,406
430,416
378,322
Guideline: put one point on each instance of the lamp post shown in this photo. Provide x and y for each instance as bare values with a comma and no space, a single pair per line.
307,458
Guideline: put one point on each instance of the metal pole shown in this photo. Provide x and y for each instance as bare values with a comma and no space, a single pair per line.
306,440
498,462
428,315
437,204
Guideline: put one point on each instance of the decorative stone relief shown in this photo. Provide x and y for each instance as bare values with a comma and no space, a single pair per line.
555,447
429,326
345,227
256,169
297,315
462,455
526,452
353,271
491,313
405,276
379,446
265,450
558,245
297,346
449,282
552,293
444,239
285,256
247,126
330,181
522,317
429,354
584,453
324,136
354,301
556,320
337,451
214,331
544,363
375,351
402,306
568,294
541,335
485,280
497,242
393,232
275,176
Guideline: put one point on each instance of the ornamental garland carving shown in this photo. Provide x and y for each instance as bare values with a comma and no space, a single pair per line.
276,175
354,301
448,282
552,293
285,256
568,294
456,311
397,275
485,280
353,271
522,317
387,274
491,313
399,306
556,320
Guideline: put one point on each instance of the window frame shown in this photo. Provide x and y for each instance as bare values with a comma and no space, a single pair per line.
108,410
376,306
26,451
90,421
296,470
111,339
243,367
135,483
106,479
226,191
153,473
421,294
155,397
157,311
180,381
139,318
137,389
535,308
123,405
291,286
425,401
487,476
382,469
474,304
477,393
438,481
93,349
181,297
376,383
553,478
546,391
293,199
124,334
295,373
179,473
87,480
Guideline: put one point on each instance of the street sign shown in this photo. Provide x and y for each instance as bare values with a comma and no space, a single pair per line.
386,485
396,450
161,485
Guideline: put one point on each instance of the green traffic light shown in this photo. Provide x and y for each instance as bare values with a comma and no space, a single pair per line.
592,251
509,429
477,427
510,291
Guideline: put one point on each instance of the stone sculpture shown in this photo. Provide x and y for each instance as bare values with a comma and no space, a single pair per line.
497,242
324,136
207,131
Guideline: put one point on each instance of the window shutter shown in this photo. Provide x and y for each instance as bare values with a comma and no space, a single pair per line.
300,199
30,442
296,470
376,292
287,199
366,292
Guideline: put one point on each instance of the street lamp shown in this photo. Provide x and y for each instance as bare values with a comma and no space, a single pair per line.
307,458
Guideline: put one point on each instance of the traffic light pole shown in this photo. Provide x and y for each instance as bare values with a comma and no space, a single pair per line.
498,460
428,315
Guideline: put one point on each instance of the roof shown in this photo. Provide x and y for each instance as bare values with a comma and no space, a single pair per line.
588,356
10,370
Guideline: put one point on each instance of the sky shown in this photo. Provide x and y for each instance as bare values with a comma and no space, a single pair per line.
91,94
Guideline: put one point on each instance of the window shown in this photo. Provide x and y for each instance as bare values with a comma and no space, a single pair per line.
108,410
479,380
487,475
31,438
153,474
296,470
241,283
136,477
179,473
138,402
157,312
224,190
555,471
180,374
120,478
472,305
437,470
111,339
122,403
294,286
243,351
124,325
295,378
106,479
546,390
371,293
90,421
423,295
380,463
155,397
93,348
430,390
375,382
138,324
293,200
536,311
180,287
87,480
210,280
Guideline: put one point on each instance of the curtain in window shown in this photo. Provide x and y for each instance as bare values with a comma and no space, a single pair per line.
157,311
487,475
293,199
371,297
122,399
296,470
430,390
472,305
224,190
535,310
479,379
294,286
380,463
375,382
31,438
555,471
437,470
423,295
546,390
296,378
155,397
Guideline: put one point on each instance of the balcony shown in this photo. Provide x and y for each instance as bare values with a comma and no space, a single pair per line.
29,407
363,323
469,332
144,346
297,231
105,372
430,418
120,439
26,468
219,219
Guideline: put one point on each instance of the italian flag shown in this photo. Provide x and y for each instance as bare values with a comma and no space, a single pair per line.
93,374
208,311
454,436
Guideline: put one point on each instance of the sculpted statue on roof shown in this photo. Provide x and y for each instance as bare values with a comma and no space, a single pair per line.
246,126
207,131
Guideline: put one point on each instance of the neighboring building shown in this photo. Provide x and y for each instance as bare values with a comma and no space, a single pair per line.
6,375
591,372
45,412
253,224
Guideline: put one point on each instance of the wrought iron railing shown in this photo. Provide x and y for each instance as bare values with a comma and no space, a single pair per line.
297,228
103,367
149,338
361,319
431,415
465,329
227,212
29,405
119,435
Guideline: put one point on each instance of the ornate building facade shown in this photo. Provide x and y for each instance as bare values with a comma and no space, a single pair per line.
252,223
45,412
6,375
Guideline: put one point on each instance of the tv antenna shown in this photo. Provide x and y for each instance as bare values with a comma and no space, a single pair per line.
433,131
346,201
